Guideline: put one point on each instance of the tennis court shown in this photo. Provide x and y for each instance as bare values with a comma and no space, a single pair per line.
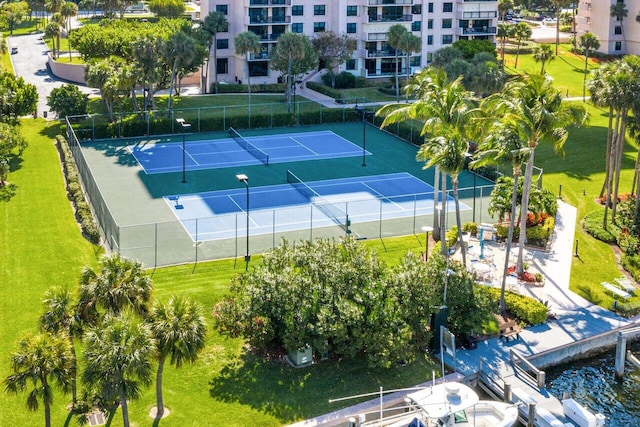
300,205
165,157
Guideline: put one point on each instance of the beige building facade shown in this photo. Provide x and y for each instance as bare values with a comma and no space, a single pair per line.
616,37
437,23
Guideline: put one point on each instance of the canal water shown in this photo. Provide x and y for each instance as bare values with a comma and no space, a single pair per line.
592,383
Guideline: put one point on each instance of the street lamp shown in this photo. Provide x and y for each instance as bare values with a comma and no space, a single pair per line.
185,127
469,156
363,111
244,178
427,229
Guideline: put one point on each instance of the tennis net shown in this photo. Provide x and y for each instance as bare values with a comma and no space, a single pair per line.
328,208
252,149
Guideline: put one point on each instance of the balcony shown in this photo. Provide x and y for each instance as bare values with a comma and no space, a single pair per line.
395,18
261,19
270,3
383,53
269,37
261,56
389,2
486,14
478,31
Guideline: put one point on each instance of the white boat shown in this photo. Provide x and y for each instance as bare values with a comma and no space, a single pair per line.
448,404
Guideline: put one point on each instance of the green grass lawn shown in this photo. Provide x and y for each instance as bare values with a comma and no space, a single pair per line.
41,246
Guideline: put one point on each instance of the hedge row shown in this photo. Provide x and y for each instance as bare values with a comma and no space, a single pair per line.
136,125
83,212
238,88
528,310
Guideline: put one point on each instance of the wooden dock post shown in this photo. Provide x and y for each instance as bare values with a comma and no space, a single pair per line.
621,353
531,415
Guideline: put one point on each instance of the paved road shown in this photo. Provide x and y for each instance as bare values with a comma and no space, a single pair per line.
31,63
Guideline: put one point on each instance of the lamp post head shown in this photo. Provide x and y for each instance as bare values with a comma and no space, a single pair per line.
242,178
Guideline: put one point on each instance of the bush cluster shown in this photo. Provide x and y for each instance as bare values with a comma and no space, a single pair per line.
592,224
76,195
325,90
259,88
528,310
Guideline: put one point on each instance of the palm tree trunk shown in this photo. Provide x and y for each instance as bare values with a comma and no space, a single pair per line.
524,209
607,150
609,178
443,212
172,82
397,83
134,100
215,64
74,374
463,251
47,413
617,163
125,408
517,54
249,89
436,220
288,89
514,203
159,399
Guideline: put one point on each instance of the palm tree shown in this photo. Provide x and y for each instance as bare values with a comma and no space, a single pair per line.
559,4
543,53
58,20
504,6
179,330
118,356
503,142
178,50
245,43
504,32
52,31
60,318
410,44
588,42
68,10
119,284
292,46
521,31
214,23
395,35
619,11
146,59
447,113
40,361
542,116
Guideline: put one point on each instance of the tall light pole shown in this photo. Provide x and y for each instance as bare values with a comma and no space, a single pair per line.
244,178
363,111
427,229
185,127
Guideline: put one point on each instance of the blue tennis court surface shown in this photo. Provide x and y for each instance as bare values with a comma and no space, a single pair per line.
164,157
278,208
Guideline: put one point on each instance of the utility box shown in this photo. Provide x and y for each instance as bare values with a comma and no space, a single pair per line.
301,357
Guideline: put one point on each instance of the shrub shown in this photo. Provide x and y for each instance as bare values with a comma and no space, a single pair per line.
325,90
628,242
528,310
592,224
470,227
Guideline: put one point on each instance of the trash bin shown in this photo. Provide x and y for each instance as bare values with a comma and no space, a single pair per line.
44,114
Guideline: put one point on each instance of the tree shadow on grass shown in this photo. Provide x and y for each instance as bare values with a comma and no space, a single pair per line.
7,192
291,394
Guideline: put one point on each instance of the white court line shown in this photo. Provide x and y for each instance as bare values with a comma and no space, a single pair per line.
304,146
241,210
382,196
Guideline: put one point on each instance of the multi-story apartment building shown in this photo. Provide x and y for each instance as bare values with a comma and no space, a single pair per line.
617,37
438,24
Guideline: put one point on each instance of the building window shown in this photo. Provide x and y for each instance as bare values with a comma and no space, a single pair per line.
352,10
222,44
447,7
222,8
318,27
429,40
352,27
258,69
429,57
351,64
416,25
318,9
297,10
430,8
414,61
617,29
296,27
618,46
416,9
430,24
447,39
222,66
446,23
